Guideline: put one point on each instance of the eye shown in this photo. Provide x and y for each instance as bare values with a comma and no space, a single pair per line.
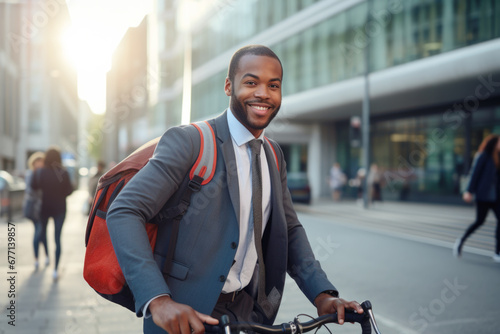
251,83
275,86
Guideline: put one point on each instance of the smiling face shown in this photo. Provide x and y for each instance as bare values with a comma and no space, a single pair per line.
255,92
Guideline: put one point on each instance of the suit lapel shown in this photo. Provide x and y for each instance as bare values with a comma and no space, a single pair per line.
273,172
226,145
274,240
276,225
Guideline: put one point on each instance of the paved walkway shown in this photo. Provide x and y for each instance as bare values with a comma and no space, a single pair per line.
431,223
66,306
70,306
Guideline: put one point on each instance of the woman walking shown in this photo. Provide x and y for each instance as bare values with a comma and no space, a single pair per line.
485,185
53,180
32,205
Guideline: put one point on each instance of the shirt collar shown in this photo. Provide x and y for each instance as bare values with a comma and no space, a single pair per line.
239,133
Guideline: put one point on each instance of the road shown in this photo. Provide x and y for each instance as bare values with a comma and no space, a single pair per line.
414,287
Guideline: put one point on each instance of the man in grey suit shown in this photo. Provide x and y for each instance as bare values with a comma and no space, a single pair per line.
217,260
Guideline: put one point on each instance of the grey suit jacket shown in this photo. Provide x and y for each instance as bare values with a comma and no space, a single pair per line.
208,234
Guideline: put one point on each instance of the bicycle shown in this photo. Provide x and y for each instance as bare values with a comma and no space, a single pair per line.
365,319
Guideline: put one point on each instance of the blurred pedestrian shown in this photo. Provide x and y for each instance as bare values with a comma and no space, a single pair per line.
357,184
374,181
54,182
484,185
337,181
93,181
32,205
404,192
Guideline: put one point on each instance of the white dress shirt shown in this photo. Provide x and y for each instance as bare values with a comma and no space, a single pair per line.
246,255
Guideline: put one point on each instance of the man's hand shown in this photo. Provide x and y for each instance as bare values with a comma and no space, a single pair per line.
327,304
178,318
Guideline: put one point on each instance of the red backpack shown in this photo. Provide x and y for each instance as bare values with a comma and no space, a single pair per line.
101,269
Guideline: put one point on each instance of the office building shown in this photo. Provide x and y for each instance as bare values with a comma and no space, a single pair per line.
38,96
432,69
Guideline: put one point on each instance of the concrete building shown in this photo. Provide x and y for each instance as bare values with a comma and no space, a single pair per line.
38,96
432,68
127,123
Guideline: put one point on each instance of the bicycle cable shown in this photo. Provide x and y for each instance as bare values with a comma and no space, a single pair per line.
312,318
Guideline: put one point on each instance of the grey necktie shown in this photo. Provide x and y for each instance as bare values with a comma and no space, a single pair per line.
255,146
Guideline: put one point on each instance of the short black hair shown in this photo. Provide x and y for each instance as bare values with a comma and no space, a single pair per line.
256,50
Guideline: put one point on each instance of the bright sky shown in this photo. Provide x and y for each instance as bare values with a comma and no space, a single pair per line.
97,28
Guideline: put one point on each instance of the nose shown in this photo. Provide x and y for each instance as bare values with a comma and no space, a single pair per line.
262,92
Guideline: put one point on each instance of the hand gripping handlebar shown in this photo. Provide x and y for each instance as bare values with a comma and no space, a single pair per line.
366,321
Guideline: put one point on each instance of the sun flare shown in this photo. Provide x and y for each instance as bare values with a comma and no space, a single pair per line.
91,57
96,29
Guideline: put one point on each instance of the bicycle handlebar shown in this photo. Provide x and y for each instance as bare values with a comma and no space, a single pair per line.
366,320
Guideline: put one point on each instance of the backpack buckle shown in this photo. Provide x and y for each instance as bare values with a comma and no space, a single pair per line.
182,208
195,183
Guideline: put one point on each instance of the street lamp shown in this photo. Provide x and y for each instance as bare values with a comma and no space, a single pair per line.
185,17
365,117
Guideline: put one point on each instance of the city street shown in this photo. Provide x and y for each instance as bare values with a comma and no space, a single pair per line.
397,102
412,280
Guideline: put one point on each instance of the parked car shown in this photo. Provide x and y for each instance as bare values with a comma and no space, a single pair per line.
11,194
298,184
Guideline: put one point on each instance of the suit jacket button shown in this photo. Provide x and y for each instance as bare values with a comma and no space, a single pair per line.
234,245
222,278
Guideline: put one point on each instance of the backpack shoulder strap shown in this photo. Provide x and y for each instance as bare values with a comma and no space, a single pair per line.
205,165
274,151
200,174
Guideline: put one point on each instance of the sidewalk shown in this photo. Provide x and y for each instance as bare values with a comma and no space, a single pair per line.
431,223
68,305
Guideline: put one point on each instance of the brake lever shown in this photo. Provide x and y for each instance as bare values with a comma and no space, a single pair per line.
367,307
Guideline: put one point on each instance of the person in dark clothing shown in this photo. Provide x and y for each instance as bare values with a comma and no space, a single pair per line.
484,183
54,181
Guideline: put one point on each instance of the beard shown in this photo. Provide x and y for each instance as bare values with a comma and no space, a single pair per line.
240,113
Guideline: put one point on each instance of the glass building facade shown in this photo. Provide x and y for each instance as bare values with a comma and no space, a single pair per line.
423,155
239,21
434,146
397,32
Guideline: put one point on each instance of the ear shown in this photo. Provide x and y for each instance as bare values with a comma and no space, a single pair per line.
228,87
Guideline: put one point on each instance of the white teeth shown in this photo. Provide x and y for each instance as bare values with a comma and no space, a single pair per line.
260,108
